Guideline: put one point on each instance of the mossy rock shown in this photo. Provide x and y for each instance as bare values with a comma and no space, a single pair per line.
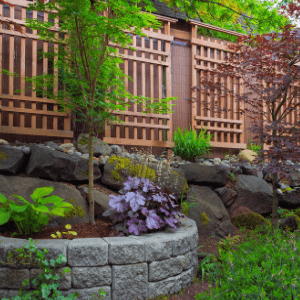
3,156
250,220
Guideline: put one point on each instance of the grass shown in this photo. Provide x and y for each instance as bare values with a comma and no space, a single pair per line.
264,265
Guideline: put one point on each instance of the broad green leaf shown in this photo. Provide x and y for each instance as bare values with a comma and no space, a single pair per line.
2,199
17,208
58,211
51,199
65,204
41,208
41,192
17,217
4,216
21,198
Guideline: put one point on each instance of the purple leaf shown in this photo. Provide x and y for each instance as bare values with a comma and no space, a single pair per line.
162,209
131,183
171,221
159,198
136,226
135,200
117,203
145,211
153,220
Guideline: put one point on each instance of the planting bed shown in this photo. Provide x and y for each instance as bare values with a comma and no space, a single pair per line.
141,267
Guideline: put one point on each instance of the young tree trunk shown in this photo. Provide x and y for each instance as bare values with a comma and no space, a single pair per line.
275,201
91,174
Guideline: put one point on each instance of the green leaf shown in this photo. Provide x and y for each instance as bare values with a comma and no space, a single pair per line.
41,192
58,211
4,215
21,198
3,199
17,208
18,218
41,208
51,199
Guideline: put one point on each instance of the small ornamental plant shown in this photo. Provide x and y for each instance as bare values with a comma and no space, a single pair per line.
144,207
59,234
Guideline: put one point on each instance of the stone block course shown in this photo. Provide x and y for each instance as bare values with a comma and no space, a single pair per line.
87,252
131,280
141,267
91,276
159,270
123,250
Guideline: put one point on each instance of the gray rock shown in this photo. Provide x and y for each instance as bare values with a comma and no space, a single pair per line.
57,166
78,153
101,200
130,282
210,175
289,221
90,277
87,252
208,202
13,278
85,156
24,186
163,269
289,199
11,160
53,145
116,149
26,150
253,193
227,196
70,152
99,148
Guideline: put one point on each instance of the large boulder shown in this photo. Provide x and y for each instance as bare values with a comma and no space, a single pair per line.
242,210
174,181
289,199
216,176
227,196
99,148
58,166
24,186
101,200
207,201
247,155
294,179
254,193
11,160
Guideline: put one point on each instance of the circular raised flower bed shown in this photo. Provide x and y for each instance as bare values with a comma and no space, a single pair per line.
134,267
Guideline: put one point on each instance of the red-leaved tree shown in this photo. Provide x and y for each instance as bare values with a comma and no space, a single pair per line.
268,65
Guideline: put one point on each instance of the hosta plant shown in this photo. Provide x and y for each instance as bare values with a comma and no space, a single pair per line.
143,207
30,217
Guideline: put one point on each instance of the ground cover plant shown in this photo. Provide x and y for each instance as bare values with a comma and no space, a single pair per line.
264,266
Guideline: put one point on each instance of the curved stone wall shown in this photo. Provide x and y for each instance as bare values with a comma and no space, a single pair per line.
143,266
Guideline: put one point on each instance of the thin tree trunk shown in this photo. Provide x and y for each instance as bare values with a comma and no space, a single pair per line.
91,174
275,201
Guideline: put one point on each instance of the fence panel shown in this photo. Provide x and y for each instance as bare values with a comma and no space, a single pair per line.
23,111
227,128
150,68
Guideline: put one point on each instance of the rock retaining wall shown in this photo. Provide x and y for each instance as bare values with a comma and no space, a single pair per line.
143,266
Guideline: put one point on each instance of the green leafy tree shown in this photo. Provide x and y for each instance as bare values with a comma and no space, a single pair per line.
242,16
87,60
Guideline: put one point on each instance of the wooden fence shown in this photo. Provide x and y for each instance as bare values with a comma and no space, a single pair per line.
227,128
150,68
25,114
23,111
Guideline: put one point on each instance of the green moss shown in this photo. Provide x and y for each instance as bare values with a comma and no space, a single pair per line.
72,200
85,173
204,218
78,211
250,220
85,140
287,189
135,170
3,156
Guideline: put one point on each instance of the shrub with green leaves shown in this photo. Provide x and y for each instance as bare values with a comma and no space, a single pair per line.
30,217
264,267
254,147
190,146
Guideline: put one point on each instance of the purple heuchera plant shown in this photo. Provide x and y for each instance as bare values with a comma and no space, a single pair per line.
144,207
